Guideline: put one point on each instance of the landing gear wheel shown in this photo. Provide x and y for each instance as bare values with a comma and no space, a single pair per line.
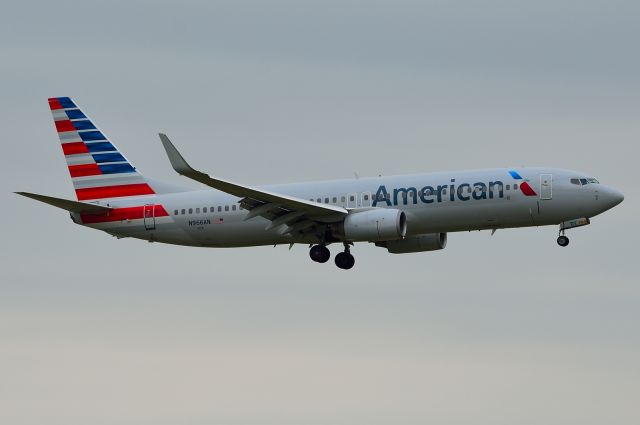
345,260
563,240
319,253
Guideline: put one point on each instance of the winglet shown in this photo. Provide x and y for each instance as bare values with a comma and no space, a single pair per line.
177,161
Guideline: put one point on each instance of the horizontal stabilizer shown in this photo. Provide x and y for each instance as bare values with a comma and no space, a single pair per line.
65,204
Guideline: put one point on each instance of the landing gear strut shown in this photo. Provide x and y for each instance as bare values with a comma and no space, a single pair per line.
345,260
319,253
562,239
570,224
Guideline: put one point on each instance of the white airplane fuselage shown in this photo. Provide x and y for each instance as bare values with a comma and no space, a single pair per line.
466,208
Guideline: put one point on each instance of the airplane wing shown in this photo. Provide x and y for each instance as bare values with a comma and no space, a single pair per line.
297,213
65,204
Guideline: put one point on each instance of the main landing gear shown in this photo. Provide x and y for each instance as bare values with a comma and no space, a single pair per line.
321,254
345,260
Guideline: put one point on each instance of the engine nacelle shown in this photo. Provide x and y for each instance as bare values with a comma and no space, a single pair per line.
380,224
419,243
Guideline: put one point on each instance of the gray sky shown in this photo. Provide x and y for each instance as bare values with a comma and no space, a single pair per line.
493,330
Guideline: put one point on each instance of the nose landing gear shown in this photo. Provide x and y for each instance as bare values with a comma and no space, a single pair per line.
563,240
570,224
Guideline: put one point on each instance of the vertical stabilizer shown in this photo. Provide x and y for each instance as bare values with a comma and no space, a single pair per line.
97,168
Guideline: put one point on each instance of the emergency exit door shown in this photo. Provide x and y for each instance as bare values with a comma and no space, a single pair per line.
546,186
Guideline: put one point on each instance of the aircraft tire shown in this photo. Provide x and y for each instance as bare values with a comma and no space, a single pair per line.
563,241
319,253
345,260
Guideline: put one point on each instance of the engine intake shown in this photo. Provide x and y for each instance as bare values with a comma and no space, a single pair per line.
380,224
419,243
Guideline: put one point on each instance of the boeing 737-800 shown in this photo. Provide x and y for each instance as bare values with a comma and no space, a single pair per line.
404,214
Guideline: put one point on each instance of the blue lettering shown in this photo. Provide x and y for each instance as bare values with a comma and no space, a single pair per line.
440,189
500,186
424,192
461,195
481,193
381,195
405,195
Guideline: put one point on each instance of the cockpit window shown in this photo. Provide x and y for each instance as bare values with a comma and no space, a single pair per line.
583,181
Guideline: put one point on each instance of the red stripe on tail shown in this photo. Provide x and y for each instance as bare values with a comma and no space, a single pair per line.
114,191
64,125
84,170
54,103
74,148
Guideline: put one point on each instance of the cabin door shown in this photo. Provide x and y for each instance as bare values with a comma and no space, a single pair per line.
149,217
546,186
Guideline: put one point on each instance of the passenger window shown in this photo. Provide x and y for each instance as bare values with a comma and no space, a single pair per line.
335,200
508,187
233,207
444,191
219,208
183,211
175,212
326,200
351,198
515,186
226,207
366,197
213,209
343,199
319,200
190,210
197,210
204,209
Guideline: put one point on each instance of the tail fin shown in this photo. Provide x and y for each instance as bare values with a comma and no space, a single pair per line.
98,170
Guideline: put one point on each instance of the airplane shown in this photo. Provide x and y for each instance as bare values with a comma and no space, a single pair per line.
404,213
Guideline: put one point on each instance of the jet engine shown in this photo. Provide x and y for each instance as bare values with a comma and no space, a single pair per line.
419,243
379,224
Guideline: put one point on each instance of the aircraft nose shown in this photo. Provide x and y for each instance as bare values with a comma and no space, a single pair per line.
611,197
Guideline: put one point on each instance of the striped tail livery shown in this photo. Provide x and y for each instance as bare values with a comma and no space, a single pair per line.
98,170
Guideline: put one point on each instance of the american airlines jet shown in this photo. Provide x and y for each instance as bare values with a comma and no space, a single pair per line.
404,214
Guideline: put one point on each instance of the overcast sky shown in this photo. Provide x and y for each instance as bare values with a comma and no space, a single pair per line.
493,330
